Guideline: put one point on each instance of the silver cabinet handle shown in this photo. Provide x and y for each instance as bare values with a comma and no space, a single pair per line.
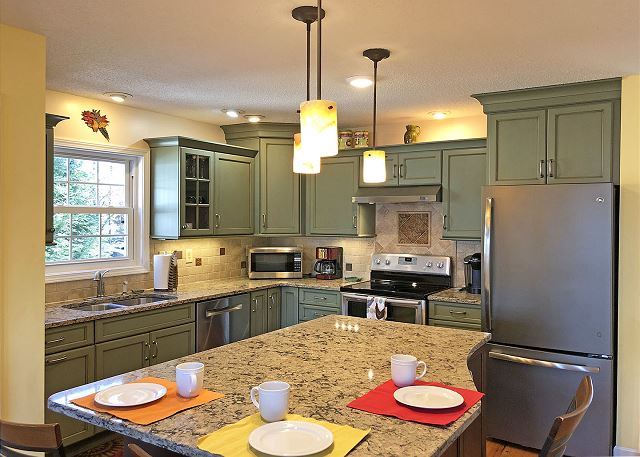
155,354
444,222
146,351
264,220
273,299
486,264
543,363
457,313
319,298
355,221
395,170
320,314
184,226
210,314
550,168
541,168
58,360
217,220
401,175
57,340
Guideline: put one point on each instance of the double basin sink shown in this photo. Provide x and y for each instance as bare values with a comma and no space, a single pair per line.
119,303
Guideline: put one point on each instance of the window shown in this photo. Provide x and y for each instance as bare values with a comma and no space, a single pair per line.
97,213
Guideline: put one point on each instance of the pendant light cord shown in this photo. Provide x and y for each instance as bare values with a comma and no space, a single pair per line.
319,53
308,60
375,95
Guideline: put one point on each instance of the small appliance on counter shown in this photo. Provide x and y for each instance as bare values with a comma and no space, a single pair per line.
275,262
328,263
473,273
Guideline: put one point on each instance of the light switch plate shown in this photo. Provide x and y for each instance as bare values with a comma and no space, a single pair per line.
189,255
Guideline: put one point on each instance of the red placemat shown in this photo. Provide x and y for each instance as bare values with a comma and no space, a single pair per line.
380,401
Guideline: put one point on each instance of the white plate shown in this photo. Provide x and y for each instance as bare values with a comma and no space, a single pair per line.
290,438
428,397
134,394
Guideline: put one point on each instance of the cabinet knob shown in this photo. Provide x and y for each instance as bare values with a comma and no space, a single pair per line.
184,227
51,230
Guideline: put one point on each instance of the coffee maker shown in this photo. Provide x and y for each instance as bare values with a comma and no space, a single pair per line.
473,273
328,263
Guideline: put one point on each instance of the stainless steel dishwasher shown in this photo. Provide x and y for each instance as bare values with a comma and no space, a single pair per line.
222,321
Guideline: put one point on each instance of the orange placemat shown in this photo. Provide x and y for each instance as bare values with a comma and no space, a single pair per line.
167,406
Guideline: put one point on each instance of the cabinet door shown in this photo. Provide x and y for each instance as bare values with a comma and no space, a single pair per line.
391,162
580,143
233,195
273,309
288,306
259,321
419,168
329,207
279,188
121,356
172,343
517,147
463,175
196,192
64,370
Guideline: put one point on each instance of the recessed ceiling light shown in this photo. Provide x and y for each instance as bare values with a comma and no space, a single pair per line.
254,117
234,113
439,114
118,97
360,81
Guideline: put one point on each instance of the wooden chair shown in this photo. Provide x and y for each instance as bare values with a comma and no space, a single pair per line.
564,426
45,438
137,451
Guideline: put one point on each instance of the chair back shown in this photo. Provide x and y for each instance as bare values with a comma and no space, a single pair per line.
45,438
564,426
137,451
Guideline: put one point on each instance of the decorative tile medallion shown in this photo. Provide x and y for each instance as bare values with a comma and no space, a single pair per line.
414,228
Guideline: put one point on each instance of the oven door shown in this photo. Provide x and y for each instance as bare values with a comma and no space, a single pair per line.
398,309
280,263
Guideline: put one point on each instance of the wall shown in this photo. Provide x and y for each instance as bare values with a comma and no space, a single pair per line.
628,431
127,126
22,177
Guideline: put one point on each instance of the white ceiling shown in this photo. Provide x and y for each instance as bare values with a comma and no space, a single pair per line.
192,58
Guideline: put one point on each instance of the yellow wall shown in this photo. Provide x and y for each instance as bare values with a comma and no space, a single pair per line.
127,125
22,177
629,288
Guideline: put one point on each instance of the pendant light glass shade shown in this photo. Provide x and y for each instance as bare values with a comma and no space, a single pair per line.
303,162
374,169
319,127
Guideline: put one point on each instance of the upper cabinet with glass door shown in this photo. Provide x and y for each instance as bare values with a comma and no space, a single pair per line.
185,199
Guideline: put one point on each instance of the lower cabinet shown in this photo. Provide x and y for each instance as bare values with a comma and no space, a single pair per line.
172,343
64,370
274,299
259,323
469,444
315,303
288,306
454,315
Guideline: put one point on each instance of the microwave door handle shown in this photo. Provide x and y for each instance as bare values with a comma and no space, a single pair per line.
210,314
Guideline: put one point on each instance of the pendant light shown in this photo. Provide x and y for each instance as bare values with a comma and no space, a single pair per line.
319,118
374,169
304,160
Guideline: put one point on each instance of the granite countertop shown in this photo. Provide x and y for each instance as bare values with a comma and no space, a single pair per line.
327,364
57,315
457,295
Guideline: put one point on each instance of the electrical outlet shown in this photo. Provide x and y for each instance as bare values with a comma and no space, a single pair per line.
189,256
198,261
243,264
348,267
178,254
222,251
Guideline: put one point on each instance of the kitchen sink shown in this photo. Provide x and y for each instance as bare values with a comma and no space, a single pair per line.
96,307
140,300
109,303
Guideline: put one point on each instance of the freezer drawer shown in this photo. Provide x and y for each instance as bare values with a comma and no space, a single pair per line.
523,399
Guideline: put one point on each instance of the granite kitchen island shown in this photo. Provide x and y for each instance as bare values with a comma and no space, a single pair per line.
328,362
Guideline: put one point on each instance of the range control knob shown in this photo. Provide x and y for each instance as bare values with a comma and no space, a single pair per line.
377,261
429,264
440,265
387,262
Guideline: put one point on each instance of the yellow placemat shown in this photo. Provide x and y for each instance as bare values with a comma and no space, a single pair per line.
233,440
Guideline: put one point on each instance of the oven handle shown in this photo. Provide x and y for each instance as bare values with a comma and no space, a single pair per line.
391,301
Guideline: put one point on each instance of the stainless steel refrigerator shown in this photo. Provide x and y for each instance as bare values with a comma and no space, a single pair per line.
548,298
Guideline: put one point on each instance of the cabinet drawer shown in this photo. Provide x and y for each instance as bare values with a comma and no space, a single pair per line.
454,324
309,312
320,297
68,337
146,321
460,312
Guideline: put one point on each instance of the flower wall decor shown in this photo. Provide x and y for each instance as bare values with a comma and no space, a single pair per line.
96,122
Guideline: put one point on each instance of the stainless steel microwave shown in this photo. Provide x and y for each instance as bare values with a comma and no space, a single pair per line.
275,262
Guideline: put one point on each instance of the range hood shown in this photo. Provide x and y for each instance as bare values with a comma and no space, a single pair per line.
398,194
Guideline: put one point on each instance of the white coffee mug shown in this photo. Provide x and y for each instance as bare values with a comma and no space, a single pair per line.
272,401
189,379
403,369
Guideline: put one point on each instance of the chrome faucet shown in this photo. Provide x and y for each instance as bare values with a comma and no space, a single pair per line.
98,277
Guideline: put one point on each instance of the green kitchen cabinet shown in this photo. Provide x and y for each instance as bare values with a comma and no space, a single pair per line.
122,355
65,370
274,303
565,134
316,303
259,323
330,210
409,165
233,195
463,175
186,197
172,343
288,306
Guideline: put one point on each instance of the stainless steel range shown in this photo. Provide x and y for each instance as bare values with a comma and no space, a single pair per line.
405,281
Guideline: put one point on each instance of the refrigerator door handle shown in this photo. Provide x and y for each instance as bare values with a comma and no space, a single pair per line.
543,363
486,265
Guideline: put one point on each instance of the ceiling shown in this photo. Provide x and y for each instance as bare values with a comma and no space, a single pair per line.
192,58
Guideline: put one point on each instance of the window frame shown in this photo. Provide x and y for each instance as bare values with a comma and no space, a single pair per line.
136,189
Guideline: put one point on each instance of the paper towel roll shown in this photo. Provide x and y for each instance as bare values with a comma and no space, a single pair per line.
161,264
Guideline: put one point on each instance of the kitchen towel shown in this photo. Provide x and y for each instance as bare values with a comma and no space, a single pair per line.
147,414
233,440
380,401
376,308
